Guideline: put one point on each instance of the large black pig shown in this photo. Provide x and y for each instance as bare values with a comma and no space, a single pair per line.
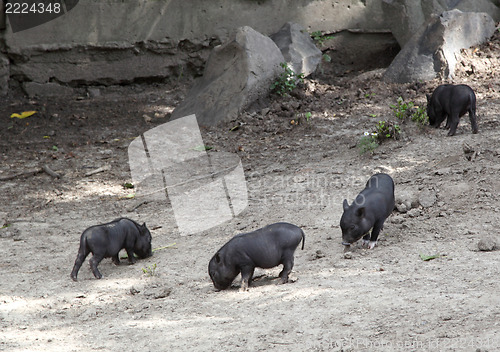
451,101
369,210
106,240
265,248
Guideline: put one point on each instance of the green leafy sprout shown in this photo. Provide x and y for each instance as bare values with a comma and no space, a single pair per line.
150,270
320,38
287,80
403,110
383,130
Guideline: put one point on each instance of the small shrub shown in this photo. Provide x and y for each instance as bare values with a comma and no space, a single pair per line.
368,143
404,110
387,130
287,81
150,270
320,38
420,116
383,130
401,108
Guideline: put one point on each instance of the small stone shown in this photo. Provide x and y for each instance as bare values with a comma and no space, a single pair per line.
413,213
487,244
402,208
348,255
94,92
134,291
163,293
427,198
320,254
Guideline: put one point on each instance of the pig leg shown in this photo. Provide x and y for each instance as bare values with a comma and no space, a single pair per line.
287,269
246,276
116,260
366,240
131,256
80,258
94,262
473,122
453,124
379,225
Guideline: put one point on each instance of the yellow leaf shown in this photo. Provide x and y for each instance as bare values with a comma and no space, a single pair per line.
23,115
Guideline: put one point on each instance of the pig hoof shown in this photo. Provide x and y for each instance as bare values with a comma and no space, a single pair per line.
372,244
74,278
365,243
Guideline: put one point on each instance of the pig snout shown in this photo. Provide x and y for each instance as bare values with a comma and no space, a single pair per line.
346,243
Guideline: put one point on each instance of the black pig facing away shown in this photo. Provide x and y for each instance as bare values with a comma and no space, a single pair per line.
451,101
106,240
369,210
265,248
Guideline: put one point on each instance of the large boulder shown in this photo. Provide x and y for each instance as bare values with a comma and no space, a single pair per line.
405,17
430,53
236,74
298,48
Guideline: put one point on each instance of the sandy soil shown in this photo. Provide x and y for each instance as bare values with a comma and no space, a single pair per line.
386,299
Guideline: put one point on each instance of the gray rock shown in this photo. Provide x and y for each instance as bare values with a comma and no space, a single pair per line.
408,198
402,208
34,89
4,74
397,219
413,213
405,17
430,53
487,244
236,74
297,48
427,198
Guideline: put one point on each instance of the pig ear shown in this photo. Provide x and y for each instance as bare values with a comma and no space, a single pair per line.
361,212
217,257
345,204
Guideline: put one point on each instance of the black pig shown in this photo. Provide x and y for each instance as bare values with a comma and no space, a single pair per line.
264,248
451,101
107,240
369,210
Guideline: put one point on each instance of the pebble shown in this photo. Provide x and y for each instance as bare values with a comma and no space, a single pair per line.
427,198
487,244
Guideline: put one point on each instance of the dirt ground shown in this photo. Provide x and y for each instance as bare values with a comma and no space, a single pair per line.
385,299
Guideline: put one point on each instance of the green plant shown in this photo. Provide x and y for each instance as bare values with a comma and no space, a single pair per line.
367,143
387,130
150,270
401,108
327,58
287,81
420,116
320,38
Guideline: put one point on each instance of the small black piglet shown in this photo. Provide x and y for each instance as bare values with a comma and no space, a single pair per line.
451,102
369,210
265,248
106,240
